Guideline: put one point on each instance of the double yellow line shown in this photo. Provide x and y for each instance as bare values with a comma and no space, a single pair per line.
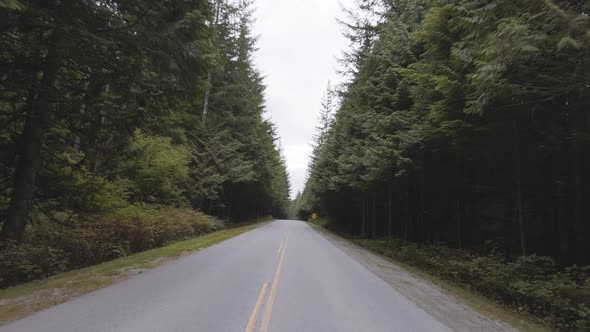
271,297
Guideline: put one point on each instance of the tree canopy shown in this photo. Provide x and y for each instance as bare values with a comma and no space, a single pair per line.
463,122
105,104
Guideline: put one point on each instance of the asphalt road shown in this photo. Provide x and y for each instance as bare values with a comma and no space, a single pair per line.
282,277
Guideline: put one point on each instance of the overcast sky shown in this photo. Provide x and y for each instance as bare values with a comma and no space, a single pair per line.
299,44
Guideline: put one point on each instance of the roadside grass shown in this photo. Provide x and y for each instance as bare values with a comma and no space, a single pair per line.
478,302
22,300
475,300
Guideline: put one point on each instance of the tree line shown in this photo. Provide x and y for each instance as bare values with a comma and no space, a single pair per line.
152,104
463,122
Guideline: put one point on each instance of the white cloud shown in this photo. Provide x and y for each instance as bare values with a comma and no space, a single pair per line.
299,44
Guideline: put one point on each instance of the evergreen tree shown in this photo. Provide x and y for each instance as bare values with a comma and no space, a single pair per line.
104,100
463,122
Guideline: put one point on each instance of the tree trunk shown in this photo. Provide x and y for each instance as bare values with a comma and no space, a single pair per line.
366,218
579,211
389,205
30,143
408,214
373,231
458,217
562,224
208,91
229,202
519,198
461,177
422,215
100,145
363,217
206,101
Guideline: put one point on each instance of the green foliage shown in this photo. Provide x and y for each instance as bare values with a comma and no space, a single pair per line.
215,223
156,168
52,248
448,115
128,230
236,169
100,107
86,192
25,262
529,284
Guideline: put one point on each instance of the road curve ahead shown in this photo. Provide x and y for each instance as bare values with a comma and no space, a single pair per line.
281,277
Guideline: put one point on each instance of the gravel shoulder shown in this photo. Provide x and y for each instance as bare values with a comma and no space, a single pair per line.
444,306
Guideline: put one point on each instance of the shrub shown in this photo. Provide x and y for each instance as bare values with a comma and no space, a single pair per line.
129,230
215,223
531,284
24,262
98,238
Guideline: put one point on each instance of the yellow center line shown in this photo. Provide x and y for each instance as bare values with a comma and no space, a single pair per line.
281,247
254,314
273,290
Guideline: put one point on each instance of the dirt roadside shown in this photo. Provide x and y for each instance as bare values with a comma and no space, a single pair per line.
444,306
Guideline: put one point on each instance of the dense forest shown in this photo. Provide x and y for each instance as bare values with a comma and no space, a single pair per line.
464,122
123,125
